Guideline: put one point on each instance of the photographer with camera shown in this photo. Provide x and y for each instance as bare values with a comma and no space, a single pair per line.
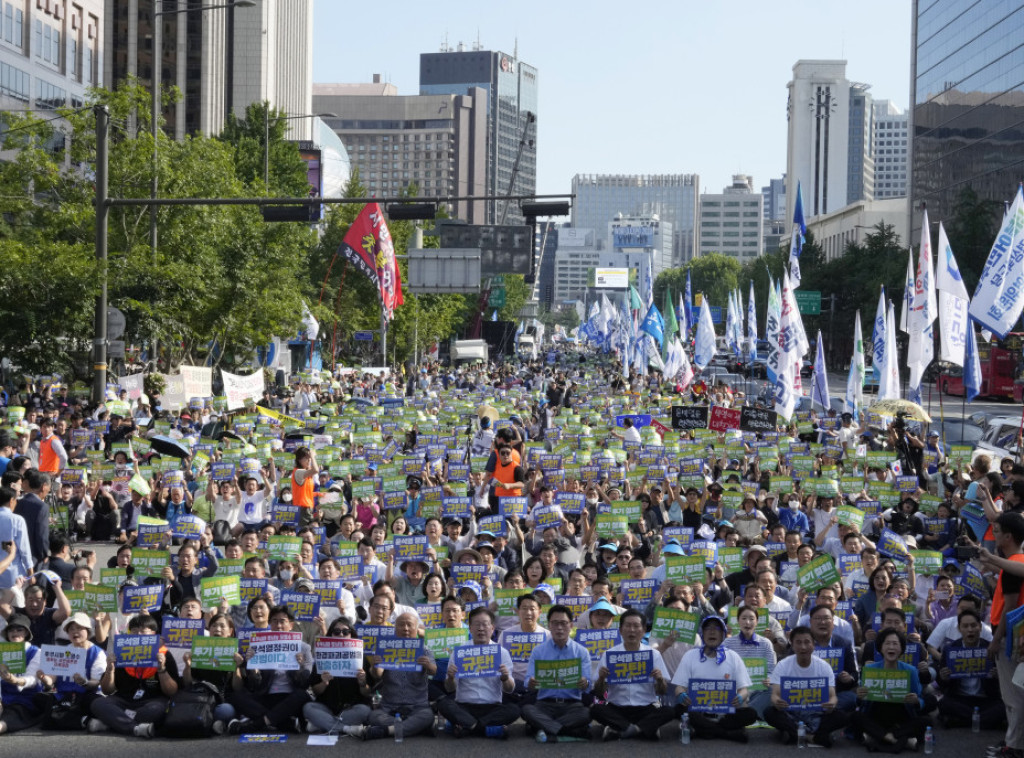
907,446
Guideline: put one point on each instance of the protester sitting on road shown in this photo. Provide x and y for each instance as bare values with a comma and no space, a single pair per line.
19,705
340,702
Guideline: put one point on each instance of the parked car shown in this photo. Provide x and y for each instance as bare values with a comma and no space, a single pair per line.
1000,439
958,433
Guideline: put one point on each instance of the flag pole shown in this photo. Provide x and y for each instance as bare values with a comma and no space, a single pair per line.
942,419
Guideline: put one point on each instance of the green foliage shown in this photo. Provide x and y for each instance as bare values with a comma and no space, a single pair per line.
971,230
715,275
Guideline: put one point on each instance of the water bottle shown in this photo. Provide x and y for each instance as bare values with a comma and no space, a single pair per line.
376,698
399,729
438,724
929,741
542,736
801,735
684,730
976,721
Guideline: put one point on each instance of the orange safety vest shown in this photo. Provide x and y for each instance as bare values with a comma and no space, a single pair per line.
48,461
302,494
505,473
996,613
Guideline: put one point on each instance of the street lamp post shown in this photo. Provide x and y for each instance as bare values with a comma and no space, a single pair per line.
157,55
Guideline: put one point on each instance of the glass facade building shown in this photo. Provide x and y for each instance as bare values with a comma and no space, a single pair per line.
511,88
967,96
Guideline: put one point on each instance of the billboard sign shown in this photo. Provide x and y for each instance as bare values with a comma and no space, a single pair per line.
611,278
632,236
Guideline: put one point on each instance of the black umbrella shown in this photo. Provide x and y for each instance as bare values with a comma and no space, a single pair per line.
167,446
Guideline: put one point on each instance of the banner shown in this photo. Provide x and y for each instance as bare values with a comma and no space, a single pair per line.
630,666
238,389
197,381
214,653
399,653
473,661
723,419
998,295
557,675
136,650
275,651
369,246
758,419
133,384
339,656
689,417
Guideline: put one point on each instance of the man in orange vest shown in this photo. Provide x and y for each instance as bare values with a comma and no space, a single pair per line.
1008,531
508,478
304,483
52,457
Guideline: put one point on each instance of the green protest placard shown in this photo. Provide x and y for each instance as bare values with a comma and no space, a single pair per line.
212,589
610,526
757,668
817,573
781,483
851,516
960,456
12,655
506,600
930,504
283,547
231,567
927,562
99,597
685,569
885,685
442,641
731,558
113,577
214,653
675,620
557,675
629,510
150,562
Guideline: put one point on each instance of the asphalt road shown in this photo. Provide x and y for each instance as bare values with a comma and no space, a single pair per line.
958,743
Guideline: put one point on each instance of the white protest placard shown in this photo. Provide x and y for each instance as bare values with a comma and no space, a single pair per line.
59,660
173,397
197,381
133,384
339,656
275,651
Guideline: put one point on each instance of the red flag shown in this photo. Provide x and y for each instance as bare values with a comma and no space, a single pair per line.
368,245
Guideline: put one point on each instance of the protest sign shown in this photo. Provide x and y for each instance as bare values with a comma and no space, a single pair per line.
637,593
339,656
304,606
723,419
441,641
804,693
473,661
521,644
371,634
214,653
711,695
675,621
885,685
689,417
411,548
62,660
817,573
179,633
967,662
629,667
136,650
281,547
215,588
597,641
275,651
148,597
754,419
399,653
557,674
13,656
892,545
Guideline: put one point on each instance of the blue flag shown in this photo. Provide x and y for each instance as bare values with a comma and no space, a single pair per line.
819,385
796,245
654,325
972,365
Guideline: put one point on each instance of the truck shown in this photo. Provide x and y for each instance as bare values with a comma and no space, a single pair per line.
469,351
999,361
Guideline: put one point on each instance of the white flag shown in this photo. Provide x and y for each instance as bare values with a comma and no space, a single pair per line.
889,381
705,348
908,294
787,385
855,379
311,324
998,298
953,302
921,349
819,384
771,328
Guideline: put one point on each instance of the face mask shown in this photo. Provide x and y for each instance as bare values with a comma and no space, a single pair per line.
286,498
286,575
591,501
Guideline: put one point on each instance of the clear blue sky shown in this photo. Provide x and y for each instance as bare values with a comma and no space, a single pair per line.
659,87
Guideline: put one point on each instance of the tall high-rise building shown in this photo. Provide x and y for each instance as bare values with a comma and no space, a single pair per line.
511,89
672,197
436,142
50,53
774,195
967,120
829,138
890,147
222,59
732,223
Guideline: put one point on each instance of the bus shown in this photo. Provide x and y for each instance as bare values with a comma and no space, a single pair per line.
1000,366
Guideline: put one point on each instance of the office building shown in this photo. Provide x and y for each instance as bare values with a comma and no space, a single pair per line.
510,88
853,222
672,197
222,60
732,223
774,195
547,247
829,138
436,142
890,150
967,119
50,53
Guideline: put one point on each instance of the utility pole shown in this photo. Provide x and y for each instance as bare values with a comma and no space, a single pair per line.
99,341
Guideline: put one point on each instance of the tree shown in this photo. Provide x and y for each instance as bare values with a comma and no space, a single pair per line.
714,274
970,231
